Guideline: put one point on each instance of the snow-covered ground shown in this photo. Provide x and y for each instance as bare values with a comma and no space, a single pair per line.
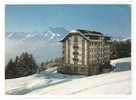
51,83
34,82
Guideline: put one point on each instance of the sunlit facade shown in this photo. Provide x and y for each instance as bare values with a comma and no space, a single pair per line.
85,52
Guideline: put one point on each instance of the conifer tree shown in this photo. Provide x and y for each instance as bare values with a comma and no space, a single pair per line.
22,66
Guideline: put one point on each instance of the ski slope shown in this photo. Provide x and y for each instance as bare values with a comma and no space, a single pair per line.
51,83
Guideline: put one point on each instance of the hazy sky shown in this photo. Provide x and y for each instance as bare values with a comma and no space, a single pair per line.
109,19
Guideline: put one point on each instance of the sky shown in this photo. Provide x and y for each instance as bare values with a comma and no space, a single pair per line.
114,20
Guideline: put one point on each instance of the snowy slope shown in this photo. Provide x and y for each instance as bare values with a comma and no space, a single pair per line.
37,81
52,83
112,83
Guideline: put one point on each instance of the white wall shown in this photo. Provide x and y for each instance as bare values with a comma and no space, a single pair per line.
85,52
66,51
71,49
80,49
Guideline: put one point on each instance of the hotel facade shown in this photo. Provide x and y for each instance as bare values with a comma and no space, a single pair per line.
85,52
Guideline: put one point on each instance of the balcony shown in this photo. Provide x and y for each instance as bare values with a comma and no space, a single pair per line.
75,53
75,46
75,59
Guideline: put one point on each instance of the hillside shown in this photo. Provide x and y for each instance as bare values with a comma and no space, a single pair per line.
49,82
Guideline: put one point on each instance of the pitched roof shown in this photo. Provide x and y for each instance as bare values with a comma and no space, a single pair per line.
84,33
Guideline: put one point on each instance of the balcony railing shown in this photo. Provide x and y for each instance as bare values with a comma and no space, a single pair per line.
75,53
75,46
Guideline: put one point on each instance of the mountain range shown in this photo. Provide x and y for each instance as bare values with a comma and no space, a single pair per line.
43,45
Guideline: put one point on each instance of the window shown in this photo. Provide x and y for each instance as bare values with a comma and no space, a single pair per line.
75,38
75,46
75,59
63,52
75,53
80,39
82,69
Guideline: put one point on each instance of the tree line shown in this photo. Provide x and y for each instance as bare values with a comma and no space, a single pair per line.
120,49
23,65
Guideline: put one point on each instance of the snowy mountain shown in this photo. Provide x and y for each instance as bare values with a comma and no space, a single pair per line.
49,82
24,36
52,33
37,43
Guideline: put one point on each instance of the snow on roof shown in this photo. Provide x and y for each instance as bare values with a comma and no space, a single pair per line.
73,31
85,34
89,32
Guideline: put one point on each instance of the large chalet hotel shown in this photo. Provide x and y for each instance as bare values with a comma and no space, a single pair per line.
85,52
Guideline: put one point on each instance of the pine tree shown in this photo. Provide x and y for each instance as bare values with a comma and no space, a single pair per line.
120,49
34,65
10,71
22,66
42,64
